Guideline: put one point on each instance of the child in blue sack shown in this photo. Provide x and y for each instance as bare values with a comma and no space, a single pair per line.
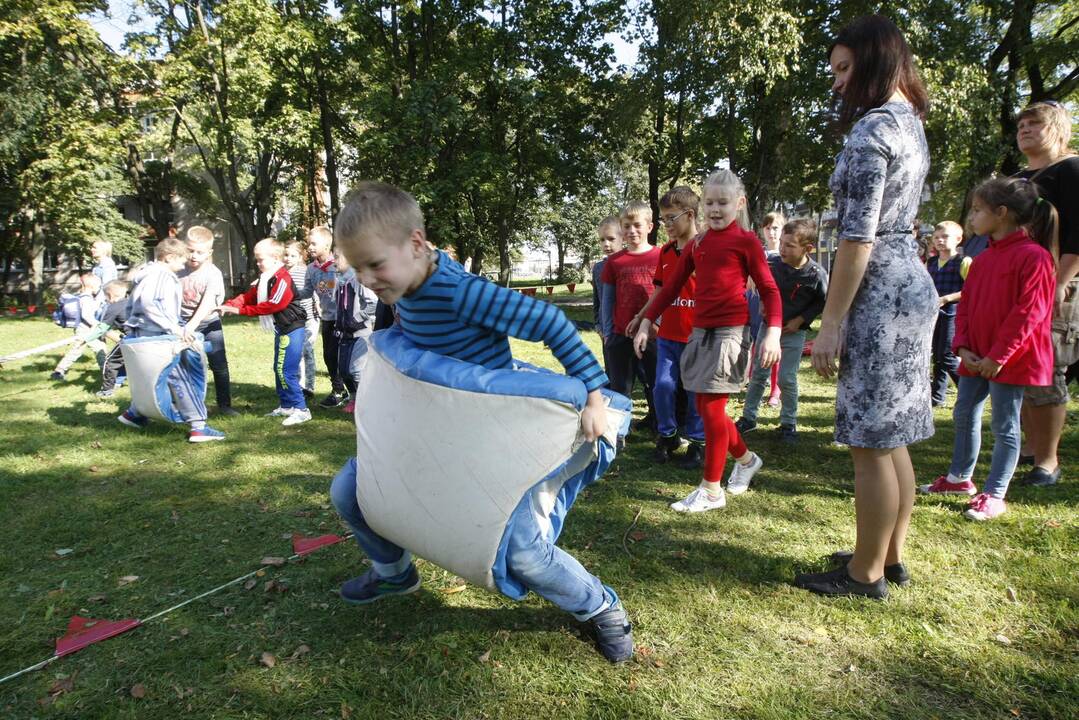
443,309
154,310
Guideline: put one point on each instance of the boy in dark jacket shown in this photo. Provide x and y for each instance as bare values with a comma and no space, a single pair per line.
272,299
803,285
353,324
111,325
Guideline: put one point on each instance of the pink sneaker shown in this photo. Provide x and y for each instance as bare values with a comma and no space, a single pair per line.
349,408
773,401
942,486
985,507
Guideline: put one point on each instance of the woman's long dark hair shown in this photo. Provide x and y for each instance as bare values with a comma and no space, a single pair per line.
883,63
1028,208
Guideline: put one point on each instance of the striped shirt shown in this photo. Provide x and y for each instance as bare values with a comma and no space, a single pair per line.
299,283
467,317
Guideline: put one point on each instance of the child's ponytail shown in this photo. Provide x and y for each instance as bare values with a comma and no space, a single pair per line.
1029,209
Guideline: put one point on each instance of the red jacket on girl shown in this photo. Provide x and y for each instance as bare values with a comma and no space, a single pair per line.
1007,309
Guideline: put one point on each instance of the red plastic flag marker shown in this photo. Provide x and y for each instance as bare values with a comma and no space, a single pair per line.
82,632
303,545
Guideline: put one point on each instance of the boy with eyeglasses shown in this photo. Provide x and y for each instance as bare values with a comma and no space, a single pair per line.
678,213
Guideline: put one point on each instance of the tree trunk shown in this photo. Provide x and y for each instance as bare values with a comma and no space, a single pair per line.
325,125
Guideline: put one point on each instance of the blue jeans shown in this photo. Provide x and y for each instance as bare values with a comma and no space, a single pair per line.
665,392
287,351
188,401
544,568
1007,402
218,361
945,363
790,346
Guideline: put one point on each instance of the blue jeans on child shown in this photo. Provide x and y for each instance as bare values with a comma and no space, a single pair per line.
945,363
790,346
287,351
545,568
665,392
218,361
1007,402
186,398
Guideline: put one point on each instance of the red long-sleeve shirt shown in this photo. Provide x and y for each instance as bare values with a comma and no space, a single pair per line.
723,260
1006,311
280,302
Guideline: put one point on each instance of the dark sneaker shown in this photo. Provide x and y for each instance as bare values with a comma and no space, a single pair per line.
694,459
204,434
105,393
132,420
665,446
369,587
745,425
895,574
839,582
56,375
788,433
333,400
612,632
227,411
1040,477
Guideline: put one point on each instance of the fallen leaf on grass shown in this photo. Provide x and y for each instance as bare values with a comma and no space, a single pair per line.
250,584
138,691
1012,596
346,711
454,589
128,579
63,685
96,445
175,516
300,652
273,585
64,552
303,513
1002,639
485,656
94,468
267,660
100,597
680,554
1052,523
637,535
275,561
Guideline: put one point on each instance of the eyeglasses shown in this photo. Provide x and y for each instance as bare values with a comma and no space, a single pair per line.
669,220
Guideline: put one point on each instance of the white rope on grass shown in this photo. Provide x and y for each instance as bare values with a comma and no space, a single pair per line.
35,350
166,611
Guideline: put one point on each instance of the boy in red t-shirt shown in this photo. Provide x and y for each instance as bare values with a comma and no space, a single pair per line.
678,213
628,279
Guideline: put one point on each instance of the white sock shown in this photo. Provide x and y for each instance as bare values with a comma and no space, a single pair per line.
713,488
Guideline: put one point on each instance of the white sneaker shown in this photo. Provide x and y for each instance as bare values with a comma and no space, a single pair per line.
297,416
698,501
738,482
279,412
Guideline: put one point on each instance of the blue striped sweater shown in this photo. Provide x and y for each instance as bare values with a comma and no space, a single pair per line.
467,317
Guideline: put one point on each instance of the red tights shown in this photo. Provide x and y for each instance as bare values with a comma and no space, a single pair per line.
720,435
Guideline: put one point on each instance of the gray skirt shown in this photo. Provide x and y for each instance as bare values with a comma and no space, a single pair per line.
716,360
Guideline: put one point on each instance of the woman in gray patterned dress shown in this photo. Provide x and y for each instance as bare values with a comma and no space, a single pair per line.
878,320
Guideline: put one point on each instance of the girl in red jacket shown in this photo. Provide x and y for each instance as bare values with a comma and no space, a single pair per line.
1002,335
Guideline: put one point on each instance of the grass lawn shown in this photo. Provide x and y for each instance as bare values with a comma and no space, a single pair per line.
989,628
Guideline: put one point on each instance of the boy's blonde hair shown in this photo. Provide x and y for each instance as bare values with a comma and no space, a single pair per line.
270,245
724,178
200,235
170,247
609,221
773,218
115,289
375,209
636,209
1057,122
105,245
950,227
681,197
321,231
804,231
